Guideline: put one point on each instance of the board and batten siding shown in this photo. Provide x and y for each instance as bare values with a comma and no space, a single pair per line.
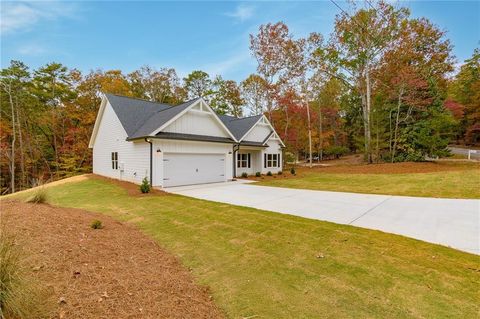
198,123
133,156
258,133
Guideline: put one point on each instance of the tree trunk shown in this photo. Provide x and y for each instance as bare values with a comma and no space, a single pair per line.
397,119
367,117
320,134
22,157
14,132
309,136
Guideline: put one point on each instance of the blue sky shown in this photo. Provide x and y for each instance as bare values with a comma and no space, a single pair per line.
211,36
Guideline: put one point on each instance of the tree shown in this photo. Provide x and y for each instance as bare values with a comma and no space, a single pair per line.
355,48
156,85
53,89
282,62
268,48
412,78
198,84
13,81
254,90
465,89
226,97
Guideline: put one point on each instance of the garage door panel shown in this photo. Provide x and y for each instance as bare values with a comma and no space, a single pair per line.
188,169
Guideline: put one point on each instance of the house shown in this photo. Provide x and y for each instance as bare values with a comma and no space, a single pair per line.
179,145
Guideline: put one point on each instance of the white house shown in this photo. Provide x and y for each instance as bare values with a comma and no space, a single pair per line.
179,145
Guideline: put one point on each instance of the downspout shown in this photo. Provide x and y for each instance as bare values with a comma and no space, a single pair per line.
149,141
236,147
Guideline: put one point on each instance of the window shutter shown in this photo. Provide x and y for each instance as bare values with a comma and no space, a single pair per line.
248,158
278,160
264,160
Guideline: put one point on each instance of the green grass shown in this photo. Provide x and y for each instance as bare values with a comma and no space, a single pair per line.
447,184
266,265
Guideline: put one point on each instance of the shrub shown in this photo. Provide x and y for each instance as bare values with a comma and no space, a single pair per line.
292,171
244,175
96,224
21,297
269,173
336,151
145,186
280,173
39,196
258,174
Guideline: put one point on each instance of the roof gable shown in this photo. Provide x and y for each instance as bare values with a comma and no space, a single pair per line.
239,126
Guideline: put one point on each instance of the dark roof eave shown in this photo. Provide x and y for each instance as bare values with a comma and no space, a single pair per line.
178,138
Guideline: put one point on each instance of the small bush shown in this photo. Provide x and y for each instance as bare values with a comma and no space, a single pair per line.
21,296
280,173
292,171
244,175
39,196
269,173
258,174
96,224
335,151
145,186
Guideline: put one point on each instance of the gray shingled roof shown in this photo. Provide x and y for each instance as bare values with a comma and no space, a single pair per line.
239,126
140,118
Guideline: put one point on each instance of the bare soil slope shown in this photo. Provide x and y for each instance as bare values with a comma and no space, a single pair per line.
114,272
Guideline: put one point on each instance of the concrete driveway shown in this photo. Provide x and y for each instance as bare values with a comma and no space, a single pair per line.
450,222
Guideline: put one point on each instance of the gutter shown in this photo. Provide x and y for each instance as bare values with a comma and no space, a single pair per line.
236,147
149,141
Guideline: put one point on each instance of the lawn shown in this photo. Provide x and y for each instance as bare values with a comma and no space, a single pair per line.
446,179
266,265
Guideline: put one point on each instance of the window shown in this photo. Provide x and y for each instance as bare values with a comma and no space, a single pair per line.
114,160
272,160
243,160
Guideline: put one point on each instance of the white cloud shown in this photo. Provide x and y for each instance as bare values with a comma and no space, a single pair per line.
21,16
32,49
242,12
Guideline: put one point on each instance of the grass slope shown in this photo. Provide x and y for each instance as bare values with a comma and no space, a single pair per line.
461,183
278,266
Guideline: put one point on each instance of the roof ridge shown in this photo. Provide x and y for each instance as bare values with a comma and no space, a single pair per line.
153,102
244,118
138,99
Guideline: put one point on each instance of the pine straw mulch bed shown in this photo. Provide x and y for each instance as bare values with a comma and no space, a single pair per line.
114,272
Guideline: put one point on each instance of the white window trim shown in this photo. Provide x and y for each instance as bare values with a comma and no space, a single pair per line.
114,160
272,160
242,159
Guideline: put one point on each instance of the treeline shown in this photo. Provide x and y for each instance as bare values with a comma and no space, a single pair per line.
380,84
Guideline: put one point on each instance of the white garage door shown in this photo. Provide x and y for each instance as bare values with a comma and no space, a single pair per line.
188,169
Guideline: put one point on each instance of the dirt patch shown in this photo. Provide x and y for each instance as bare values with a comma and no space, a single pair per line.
114,272
131,188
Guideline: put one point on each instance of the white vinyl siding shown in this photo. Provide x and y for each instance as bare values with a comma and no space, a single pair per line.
133,157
